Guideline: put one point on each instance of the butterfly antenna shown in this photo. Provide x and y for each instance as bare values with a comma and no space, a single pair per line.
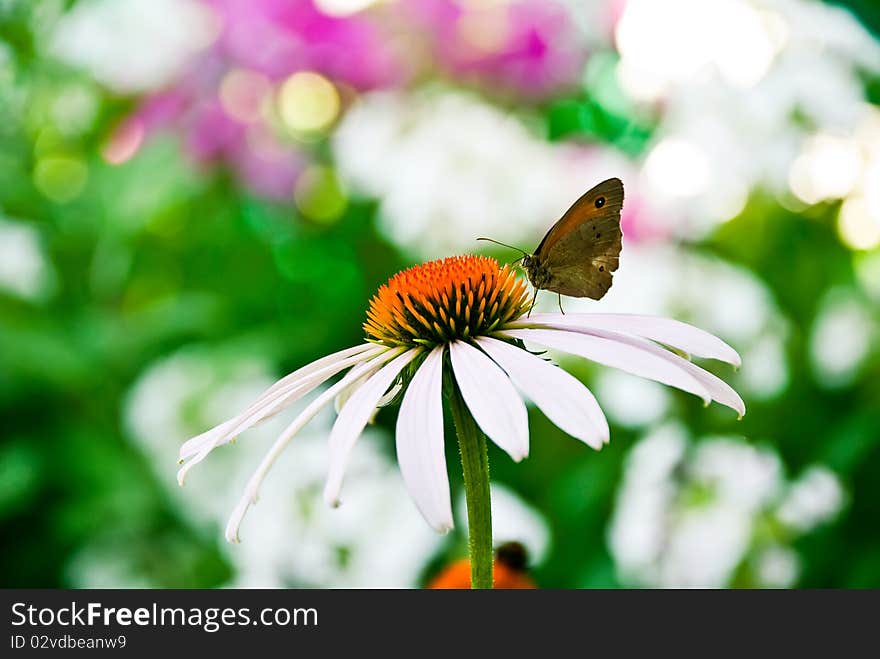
492,240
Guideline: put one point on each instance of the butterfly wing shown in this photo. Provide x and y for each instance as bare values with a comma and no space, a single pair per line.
581,251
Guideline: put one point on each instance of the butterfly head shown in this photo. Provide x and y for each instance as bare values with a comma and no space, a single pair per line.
536,271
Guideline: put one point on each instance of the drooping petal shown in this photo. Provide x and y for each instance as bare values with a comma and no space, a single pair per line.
205,442
669,331
494,403
229,430
420,449
308,369
354,416
558,394
276,398
617,354
719,390
251,493
294,386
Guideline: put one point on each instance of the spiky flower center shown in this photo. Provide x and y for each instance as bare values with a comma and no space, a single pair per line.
458,297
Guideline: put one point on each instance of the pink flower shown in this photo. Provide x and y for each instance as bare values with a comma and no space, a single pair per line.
279,37
270,40
526,46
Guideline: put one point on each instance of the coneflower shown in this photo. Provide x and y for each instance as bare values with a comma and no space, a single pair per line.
456,329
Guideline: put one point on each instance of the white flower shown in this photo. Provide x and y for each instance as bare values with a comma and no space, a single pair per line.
813,499
698,515
778,567
492,177
24,269
842,337
632,402
133,46
102,565
730,75
473,311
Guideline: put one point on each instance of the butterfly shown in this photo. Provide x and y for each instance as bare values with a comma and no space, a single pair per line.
579,253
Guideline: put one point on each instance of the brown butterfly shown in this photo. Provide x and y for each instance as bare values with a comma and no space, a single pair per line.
581,251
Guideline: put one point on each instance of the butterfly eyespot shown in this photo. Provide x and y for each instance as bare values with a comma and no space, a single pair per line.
600,202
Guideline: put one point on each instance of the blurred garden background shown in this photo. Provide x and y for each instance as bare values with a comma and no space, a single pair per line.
197,197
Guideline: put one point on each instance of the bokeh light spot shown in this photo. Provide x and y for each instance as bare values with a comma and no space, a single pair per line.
678,168
308,102
60,178
242,94
856,226
319,195
828,168
342,7
871,188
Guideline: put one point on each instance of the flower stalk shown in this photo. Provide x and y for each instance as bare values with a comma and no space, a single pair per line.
475,467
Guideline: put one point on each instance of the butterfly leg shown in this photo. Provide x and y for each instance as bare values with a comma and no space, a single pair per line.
534,297
559,301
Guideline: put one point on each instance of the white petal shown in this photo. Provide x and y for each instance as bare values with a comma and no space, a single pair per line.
392,393
675,333
343,396
494,403
718,389
354,416
558,394
274,400
308,369
252,490
616,351
205,442
294,386
420,449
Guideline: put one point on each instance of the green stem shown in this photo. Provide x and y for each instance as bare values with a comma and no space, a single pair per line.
475,465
